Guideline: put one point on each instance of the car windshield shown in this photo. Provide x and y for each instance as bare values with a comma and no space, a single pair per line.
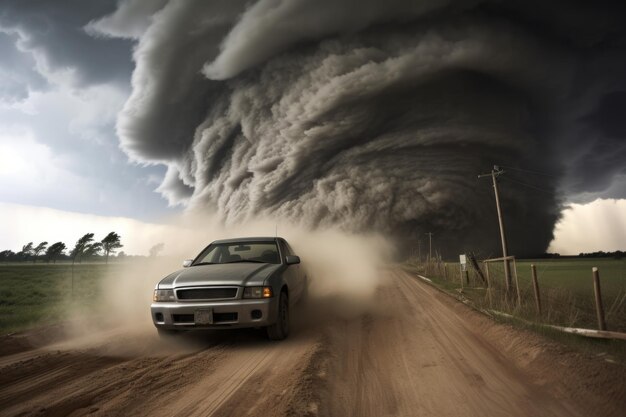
223,253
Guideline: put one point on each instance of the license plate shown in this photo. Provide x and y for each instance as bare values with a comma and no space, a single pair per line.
203,317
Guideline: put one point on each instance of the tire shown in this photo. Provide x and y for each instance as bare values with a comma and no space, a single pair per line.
280,329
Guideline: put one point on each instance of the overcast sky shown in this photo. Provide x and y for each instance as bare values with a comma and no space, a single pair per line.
60,92
136,109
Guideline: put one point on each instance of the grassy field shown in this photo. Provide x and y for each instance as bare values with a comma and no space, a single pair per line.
566,290
575,274
36,294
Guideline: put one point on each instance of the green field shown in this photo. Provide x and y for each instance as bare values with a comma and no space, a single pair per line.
39,294
567,285
34,294
575,274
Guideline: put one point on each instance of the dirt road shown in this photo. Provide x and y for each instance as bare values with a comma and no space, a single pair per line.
415,352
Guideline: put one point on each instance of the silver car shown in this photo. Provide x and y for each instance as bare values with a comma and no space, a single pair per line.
232,283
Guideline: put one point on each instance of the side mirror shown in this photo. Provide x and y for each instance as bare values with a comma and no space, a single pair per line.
187,263
292,259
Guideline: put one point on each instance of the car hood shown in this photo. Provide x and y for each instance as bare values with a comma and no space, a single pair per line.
240,274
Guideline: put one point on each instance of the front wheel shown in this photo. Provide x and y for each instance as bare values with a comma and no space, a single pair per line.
280,329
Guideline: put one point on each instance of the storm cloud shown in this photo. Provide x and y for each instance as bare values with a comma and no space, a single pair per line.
52,33
369,115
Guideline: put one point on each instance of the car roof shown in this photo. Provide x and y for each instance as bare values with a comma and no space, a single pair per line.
249,239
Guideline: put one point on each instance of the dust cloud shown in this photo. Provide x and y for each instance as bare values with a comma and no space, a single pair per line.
344,271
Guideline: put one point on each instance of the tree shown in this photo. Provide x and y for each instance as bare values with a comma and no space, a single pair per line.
26,251
54,251
110,244
92,249
7,255
38,249
80,247
156,249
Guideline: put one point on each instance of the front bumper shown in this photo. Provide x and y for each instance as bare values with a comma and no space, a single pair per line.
239,313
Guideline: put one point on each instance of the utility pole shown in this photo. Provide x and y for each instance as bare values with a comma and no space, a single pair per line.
496,172
430,245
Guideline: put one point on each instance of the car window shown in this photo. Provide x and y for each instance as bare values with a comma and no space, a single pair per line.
265,252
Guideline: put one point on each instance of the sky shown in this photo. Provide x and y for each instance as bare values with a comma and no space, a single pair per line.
361,116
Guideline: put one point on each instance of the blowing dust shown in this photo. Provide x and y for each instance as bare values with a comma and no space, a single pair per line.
343,270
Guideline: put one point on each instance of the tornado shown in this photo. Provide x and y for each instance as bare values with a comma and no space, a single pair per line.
370,116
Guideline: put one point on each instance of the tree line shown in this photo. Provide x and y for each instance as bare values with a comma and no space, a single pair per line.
86,248
618,254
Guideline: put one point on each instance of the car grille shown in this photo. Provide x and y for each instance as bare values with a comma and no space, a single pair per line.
217,318
182,318
206,293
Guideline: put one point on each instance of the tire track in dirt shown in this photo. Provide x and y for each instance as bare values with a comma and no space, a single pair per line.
244,375
198,375
87,380
44,375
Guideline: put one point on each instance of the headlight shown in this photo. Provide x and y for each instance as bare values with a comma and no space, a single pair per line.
163,295
257,292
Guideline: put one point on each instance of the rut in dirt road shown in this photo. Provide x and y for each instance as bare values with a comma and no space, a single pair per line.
189,378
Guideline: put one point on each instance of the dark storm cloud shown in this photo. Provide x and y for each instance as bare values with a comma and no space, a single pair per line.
53,31
378,115
170,95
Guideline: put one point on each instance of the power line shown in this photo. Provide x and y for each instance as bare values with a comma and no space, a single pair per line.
530,171
530,186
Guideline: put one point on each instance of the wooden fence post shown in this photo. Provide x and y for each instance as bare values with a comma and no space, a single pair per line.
519,297
533,269
598,294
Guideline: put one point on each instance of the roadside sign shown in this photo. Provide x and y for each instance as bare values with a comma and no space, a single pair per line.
463,261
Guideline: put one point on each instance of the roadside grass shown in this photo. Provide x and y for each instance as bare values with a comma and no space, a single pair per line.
609,349
40,294
566,292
